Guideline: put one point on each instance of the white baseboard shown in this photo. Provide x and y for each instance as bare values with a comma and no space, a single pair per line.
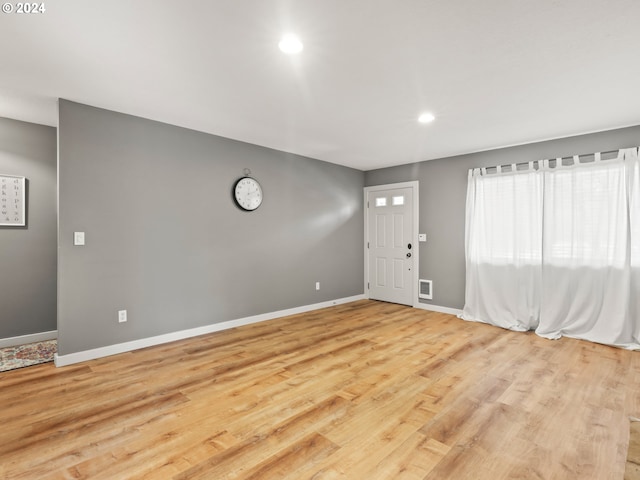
31,338
69,359
438,308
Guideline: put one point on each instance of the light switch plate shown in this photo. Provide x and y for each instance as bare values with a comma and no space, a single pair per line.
78,238
422,237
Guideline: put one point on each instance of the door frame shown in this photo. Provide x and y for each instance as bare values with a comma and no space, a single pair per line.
414,185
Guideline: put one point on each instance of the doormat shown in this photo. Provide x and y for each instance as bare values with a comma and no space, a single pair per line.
26,355
632,467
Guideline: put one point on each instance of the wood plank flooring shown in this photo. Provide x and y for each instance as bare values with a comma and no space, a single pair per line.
365,390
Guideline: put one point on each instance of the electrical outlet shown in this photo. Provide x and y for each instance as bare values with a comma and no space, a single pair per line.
122,316
317,285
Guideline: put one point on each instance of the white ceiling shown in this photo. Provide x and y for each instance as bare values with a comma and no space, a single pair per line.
494,72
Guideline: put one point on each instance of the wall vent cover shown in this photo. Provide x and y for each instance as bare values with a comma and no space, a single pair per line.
426,289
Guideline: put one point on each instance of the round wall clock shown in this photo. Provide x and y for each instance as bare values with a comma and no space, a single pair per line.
247,193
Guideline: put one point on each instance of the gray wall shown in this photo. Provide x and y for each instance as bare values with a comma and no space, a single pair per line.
165,241
28,254
443,187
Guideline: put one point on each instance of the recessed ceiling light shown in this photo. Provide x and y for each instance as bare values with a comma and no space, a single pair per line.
426,117
290,44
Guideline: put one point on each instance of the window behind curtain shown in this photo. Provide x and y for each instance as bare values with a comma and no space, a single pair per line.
586,215
509,219
557,249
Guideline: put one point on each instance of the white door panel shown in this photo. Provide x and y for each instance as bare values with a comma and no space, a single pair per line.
391,249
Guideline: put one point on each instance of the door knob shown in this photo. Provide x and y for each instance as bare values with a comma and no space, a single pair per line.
409,255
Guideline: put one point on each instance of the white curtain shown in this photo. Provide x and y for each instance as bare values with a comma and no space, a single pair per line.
632,164
557,249
504,248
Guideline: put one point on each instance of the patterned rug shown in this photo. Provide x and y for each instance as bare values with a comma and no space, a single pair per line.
26,355
632,470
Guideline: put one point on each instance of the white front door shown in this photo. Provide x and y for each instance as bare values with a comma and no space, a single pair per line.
391,248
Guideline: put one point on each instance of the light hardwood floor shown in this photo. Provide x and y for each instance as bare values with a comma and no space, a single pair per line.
366,390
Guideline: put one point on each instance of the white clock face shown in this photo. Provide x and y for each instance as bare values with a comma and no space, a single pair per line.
248,193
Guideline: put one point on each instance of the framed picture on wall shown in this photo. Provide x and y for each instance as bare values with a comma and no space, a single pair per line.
12,201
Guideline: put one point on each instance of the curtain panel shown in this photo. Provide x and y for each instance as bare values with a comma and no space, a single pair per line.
556,249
